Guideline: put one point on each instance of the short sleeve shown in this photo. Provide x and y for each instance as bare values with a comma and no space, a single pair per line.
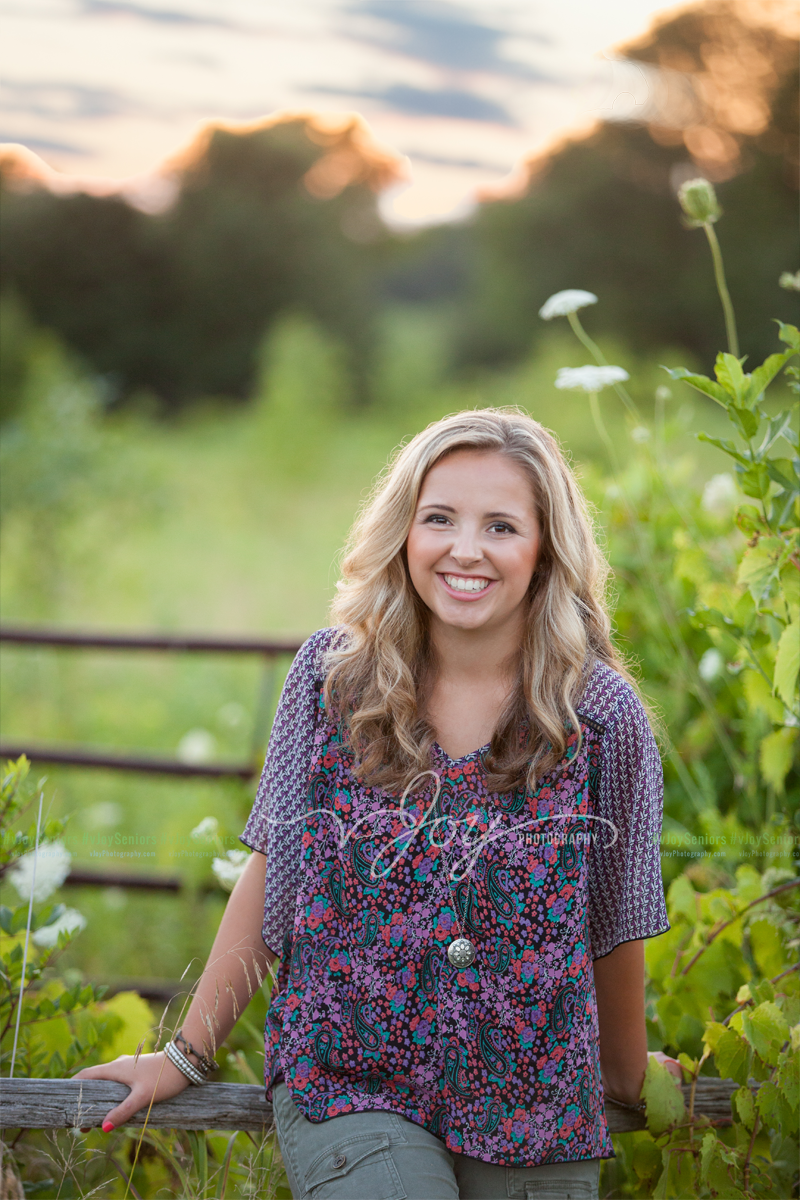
275,825
626,892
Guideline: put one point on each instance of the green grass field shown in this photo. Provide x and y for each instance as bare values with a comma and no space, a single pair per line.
229,519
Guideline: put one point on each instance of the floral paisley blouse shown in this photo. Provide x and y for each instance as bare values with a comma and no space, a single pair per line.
365,891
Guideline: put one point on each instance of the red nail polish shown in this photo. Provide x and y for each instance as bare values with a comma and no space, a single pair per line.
108,1126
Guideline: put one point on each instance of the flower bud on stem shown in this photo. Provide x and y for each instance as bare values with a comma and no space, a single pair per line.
699,202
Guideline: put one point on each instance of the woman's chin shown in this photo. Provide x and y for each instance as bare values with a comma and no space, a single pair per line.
465,616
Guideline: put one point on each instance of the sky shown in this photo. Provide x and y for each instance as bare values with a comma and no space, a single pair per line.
466,90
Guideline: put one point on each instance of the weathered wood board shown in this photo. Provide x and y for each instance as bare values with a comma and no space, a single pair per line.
76,1103
72,1103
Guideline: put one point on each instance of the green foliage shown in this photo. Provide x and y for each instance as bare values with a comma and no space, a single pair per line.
760,626
715,959
718,664
61,1026
66,1024
52,440
664,1101
125,1163
265,222
730,953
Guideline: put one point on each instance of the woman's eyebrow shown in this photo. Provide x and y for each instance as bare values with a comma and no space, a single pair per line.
489,516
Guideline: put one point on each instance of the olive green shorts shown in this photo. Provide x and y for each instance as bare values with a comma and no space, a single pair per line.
381,1156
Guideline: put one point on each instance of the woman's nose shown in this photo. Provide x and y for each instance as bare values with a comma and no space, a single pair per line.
466,549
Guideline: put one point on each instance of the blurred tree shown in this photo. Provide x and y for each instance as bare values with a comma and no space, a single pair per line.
599,211
277,216
280,217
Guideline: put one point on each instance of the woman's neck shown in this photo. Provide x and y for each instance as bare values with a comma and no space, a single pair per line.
475,656
472,676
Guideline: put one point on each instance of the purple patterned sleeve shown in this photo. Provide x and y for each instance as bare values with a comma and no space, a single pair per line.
626,893
275,825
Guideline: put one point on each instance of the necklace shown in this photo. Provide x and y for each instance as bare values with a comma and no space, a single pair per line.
461,951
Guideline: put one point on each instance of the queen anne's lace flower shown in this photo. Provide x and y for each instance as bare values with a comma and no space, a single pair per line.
207,830
589,378
710,665
228,869
196,746
720,495
70,921
53,861
564,303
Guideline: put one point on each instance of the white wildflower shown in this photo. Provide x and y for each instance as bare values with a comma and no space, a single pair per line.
53,861
566,302
663,393
70,921
790,281
228,869
196,746
206,831
720,495
590,378
640,434
102,815
710,665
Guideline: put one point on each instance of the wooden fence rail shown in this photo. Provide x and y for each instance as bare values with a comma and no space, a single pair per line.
76,1103
82,1103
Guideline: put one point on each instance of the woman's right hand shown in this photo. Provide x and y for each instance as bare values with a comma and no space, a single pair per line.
150,1077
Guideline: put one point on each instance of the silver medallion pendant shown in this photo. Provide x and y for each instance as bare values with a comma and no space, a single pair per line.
461,952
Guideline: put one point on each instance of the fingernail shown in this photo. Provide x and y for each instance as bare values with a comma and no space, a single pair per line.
108,1126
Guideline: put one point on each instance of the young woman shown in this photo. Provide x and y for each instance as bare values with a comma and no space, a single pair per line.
457,838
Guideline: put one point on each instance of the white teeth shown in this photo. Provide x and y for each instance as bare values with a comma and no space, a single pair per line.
459,584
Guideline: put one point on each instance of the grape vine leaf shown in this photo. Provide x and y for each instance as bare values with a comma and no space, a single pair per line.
663,1097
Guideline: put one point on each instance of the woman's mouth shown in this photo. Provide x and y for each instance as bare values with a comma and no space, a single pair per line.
467,586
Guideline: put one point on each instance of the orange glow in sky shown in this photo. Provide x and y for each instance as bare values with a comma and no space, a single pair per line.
106,89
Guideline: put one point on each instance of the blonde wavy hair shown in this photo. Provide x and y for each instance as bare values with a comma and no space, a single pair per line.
376,674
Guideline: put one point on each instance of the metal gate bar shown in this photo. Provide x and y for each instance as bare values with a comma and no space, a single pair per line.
267,648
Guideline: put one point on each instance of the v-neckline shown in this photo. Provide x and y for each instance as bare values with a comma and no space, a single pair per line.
463,757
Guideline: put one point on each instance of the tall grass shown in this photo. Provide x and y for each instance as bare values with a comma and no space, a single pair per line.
228,518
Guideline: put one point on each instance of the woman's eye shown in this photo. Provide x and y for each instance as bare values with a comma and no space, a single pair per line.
501,527
436,518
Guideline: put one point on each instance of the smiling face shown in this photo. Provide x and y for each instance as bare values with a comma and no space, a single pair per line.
474,541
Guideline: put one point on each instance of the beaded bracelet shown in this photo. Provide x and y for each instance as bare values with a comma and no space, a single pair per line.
184,1065
205,1063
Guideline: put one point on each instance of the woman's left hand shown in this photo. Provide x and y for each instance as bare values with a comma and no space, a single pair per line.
672,1064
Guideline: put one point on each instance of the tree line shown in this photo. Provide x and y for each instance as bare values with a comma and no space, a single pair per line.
283,216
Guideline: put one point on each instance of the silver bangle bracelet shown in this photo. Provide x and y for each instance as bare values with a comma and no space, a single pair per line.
184,1065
